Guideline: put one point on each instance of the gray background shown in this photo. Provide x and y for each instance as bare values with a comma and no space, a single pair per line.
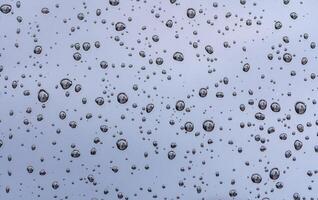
187,78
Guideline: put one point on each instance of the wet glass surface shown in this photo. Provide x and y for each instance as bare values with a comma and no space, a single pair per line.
158,99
